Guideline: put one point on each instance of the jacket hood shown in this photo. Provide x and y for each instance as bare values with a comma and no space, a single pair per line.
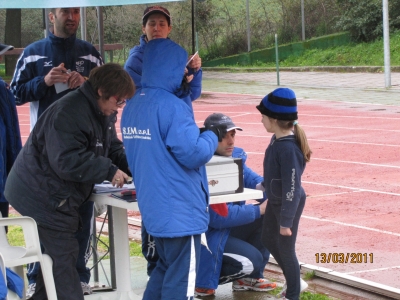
164,64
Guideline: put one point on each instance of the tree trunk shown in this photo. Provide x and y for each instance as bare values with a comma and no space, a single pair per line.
12,37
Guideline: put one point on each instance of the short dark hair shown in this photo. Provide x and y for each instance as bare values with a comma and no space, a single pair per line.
112,80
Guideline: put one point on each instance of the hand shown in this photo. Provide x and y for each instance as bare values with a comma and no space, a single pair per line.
219,130
195,64
189,78
119,178
57,74
285,231
263,206
75,80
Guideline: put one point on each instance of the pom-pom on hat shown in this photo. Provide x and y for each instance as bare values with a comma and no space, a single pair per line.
281,104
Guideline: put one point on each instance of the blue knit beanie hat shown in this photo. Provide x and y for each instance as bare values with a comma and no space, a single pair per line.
281,104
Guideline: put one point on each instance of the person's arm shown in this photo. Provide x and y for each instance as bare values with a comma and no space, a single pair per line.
194,68
67,146
117,153
196,84
237,215
291,171
27,85
183,139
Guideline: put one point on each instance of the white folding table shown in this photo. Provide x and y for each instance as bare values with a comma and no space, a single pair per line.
124,289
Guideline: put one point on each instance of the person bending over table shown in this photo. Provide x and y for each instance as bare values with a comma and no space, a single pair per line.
72,146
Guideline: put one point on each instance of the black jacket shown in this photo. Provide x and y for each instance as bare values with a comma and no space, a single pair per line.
72,147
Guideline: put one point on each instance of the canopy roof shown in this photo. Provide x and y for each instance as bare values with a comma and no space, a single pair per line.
71,3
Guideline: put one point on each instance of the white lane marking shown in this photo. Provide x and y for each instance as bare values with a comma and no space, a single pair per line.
351,225
342,161
372,270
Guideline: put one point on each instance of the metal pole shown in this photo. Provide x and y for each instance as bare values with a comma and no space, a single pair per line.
112,250
197,41
277,59
303,27
46,21
83,24
101,31
95,257
193,28
386,42
248,25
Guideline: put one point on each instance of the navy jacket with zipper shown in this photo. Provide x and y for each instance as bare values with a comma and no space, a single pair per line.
72,147
36,62
284,165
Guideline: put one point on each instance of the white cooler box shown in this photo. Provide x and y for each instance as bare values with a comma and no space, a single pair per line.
224,175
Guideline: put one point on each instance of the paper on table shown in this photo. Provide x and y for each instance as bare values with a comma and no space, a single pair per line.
108,188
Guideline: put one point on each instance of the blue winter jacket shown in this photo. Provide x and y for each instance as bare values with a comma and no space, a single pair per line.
10,137
133,66
165,148
36,62
219,228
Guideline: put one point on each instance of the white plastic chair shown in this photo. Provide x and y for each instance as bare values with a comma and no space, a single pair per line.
15,257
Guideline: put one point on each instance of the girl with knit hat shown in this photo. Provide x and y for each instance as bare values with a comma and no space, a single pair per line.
284,163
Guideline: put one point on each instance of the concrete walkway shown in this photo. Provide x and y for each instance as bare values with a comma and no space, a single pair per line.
349,87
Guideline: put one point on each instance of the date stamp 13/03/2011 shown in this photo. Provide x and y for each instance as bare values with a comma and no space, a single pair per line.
344,258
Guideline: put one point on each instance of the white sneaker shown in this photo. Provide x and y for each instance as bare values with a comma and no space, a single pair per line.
303,287
86,289
31,290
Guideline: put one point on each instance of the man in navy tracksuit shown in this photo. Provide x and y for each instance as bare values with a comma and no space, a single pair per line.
165,150
235,251
46,71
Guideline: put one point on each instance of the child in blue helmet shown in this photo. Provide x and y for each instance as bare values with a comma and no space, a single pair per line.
284,163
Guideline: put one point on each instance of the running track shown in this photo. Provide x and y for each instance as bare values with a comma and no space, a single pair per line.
352,181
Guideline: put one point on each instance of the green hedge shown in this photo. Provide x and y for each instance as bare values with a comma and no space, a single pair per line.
268,55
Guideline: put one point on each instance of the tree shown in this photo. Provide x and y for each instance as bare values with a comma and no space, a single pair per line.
12,37
363,18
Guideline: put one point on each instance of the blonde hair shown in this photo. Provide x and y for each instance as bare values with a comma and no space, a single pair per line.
300,136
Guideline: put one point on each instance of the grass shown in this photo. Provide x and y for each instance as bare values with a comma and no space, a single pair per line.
303,296
363,54
309,275
16,238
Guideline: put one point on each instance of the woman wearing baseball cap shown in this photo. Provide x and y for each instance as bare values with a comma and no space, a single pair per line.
157,24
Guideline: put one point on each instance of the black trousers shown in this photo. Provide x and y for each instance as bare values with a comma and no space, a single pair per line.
63,248
282,247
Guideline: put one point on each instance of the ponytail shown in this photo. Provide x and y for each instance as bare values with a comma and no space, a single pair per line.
299,135
301,139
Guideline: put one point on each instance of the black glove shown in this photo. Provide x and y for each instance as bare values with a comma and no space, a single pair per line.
220,131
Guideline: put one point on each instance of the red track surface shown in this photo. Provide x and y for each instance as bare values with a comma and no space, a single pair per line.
352,182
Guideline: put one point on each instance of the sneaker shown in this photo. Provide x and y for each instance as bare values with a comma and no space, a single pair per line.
30,291
259,285
303,287
86,289
200,292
